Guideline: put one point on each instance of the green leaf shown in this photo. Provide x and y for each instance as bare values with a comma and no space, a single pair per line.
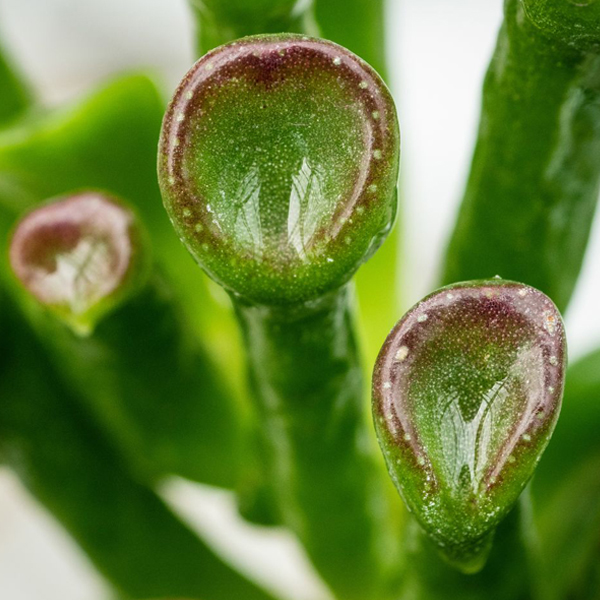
67,463
278,165
80,256
466,393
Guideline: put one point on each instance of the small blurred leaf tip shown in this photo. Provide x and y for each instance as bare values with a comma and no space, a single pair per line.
80,256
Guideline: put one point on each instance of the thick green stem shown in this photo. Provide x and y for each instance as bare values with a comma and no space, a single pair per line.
308,385
534,182
219,24
66,462
533,186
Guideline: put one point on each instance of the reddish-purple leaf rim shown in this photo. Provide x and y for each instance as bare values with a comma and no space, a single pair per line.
278,165
466,392
79,256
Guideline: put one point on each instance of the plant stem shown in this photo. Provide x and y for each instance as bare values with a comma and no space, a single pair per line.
308,385
217,28
534,182
66,462
164,424
107,141
168,412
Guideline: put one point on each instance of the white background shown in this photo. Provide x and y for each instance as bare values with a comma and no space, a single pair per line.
438,52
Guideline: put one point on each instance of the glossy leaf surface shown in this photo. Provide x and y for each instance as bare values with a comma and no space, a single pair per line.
278,166
466,392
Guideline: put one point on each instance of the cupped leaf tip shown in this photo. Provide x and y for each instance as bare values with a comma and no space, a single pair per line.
80,256
278,165
466,392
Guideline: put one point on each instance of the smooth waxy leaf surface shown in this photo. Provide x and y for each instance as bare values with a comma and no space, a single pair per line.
78,256
466,393
278,165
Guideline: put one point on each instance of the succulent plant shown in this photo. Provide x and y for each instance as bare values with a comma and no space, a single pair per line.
122,364
466,392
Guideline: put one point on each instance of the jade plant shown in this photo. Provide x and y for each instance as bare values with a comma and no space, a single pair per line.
122,362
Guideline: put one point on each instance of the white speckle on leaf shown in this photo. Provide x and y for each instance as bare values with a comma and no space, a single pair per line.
402,353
